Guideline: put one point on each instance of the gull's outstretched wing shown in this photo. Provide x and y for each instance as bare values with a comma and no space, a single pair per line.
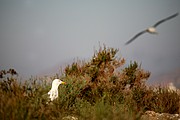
161,21
137,35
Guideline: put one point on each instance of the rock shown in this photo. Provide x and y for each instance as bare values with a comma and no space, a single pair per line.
151,115
69,118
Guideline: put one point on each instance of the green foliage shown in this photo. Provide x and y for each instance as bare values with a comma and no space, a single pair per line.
97,89
135,75
99,74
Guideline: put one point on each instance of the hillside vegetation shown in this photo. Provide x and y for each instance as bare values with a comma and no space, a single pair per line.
101,88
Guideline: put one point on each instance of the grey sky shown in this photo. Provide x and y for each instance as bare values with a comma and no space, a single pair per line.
37,35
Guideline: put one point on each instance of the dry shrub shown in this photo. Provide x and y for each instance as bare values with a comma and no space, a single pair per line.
159,100
100,88
103,76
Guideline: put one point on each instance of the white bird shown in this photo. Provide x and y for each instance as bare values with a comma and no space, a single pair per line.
53,93
152,29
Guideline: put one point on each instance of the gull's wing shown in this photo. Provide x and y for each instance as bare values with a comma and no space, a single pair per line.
137,35
161,21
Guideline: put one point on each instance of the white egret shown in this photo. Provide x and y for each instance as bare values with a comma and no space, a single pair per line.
152,29
53,93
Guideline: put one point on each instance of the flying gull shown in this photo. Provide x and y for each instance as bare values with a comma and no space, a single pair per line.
152,29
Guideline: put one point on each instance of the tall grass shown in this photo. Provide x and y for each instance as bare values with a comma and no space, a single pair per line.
101,88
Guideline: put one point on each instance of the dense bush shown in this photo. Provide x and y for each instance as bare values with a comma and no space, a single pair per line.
102,87
103,77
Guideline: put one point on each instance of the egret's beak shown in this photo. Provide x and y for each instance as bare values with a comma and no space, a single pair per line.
63,83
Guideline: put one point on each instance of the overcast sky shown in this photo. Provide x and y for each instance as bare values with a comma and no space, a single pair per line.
38,35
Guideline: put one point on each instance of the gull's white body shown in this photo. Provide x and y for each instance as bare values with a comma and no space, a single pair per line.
53,93
152,30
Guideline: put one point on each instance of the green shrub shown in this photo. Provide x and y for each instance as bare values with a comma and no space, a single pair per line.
101,88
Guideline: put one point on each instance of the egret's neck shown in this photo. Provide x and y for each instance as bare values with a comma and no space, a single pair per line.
55,87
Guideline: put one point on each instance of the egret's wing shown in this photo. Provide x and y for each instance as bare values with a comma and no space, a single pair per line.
137,35
161,21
